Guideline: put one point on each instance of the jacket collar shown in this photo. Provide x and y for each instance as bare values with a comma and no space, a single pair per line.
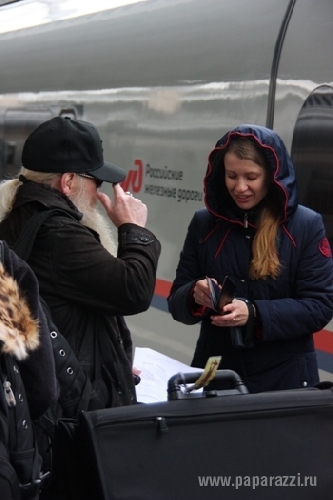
45,196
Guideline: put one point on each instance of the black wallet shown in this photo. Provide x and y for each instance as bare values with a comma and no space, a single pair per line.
221,294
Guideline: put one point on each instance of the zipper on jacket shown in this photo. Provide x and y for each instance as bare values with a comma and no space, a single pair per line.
11,401
9,395
246,222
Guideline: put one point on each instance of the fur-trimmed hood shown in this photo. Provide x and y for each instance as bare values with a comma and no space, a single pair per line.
19,331
24,331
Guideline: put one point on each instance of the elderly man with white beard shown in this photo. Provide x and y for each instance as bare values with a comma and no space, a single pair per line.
88,280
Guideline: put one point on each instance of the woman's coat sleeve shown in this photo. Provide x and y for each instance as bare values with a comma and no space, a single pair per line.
180,300
310,306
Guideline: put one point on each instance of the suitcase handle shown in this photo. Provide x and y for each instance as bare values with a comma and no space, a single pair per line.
179,379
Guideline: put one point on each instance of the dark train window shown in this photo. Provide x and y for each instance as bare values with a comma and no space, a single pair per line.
18,124
312,154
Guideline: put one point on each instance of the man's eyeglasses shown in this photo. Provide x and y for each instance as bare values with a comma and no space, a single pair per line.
87,176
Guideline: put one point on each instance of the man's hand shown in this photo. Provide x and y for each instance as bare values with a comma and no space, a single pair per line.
124,208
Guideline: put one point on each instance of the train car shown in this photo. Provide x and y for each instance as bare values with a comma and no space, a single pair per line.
162,80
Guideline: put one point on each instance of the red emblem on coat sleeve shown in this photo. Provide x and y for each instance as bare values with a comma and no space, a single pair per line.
324,248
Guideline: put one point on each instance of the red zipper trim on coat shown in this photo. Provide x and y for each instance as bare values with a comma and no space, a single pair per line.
289,236
211,232
222,243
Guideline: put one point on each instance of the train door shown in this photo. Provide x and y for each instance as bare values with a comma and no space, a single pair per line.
312,154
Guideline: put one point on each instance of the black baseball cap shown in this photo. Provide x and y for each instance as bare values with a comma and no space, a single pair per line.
63,145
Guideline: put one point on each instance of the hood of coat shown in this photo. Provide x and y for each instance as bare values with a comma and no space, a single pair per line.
19,331
217,198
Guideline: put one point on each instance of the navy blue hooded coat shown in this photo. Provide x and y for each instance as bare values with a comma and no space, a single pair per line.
292,307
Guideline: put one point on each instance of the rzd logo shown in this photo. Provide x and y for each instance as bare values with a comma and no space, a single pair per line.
133,181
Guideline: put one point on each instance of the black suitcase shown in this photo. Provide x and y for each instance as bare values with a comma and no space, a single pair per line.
276,445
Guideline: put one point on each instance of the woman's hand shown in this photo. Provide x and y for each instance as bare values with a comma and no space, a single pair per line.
234,314
201,294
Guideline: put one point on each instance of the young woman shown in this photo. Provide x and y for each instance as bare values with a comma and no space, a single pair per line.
276,253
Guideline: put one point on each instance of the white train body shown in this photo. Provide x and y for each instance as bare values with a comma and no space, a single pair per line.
162,80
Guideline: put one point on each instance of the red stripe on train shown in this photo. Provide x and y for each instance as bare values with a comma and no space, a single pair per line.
162,288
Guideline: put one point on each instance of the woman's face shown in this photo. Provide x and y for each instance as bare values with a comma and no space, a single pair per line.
246,181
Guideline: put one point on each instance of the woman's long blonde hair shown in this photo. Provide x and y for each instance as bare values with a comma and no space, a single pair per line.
265,260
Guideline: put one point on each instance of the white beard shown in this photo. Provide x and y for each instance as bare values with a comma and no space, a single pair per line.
93,219
107,233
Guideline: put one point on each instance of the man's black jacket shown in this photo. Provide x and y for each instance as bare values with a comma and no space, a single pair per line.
87,289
